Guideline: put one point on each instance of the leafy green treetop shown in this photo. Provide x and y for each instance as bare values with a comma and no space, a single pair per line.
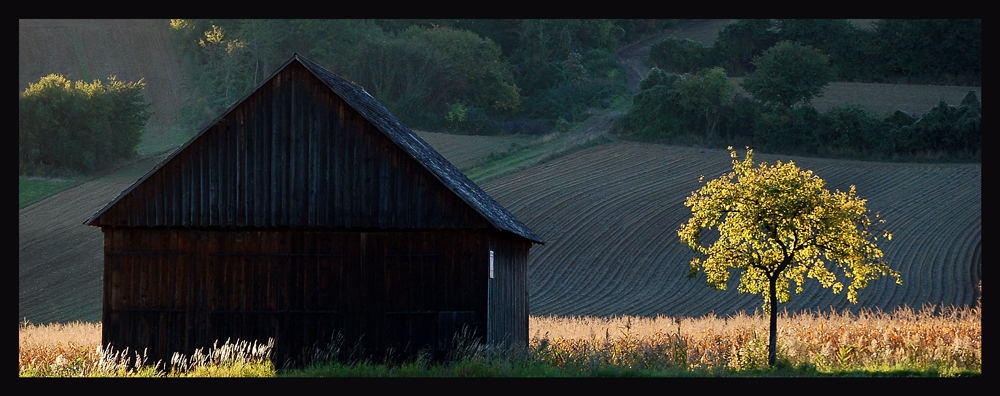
777,224
789,73
706,93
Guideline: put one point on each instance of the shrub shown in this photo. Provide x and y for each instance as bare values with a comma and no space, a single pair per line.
564,100
849,130
930,50
899,119
891,145
82,127
701,96
788,131
658,76
968,127
789,73
944,130
740,41
679,55
652,116
849,47
738,119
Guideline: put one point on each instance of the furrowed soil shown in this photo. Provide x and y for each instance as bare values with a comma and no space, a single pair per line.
609,215
609,212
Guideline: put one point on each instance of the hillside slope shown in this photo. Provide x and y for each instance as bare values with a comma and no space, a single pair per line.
59,258
609,212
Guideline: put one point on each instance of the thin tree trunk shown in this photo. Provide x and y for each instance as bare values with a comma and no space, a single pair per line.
772,345
711,132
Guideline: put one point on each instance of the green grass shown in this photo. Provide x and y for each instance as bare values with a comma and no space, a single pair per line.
516,368
516,158
34,189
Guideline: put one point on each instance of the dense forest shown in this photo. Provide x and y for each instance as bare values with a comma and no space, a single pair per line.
534,76
465,76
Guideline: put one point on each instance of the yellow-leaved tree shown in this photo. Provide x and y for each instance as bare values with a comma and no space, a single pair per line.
777,224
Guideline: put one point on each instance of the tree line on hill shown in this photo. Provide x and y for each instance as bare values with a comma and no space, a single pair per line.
914,51
489,76
481,76
789,65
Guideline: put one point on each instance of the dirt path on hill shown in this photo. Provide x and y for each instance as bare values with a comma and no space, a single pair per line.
633,56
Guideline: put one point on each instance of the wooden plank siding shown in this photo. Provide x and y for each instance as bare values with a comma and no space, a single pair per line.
275,159
307,211
508,292
177,290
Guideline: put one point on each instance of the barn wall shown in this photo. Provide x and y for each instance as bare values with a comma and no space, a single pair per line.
508,291
176,290
292,154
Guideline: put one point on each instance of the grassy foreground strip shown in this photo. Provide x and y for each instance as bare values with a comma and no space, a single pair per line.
930,342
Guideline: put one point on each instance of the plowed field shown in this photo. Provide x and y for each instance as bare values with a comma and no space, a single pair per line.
610,215
609,212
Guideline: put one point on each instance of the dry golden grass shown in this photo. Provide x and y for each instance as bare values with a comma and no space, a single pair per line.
942,339
74,350
58,347
80,333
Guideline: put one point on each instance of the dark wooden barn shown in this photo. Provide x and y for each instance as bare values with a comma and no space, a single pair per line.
305,211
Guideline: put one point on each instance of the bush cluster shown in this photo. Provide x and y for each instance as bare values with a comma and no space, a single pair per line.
80,127
655,114
945,132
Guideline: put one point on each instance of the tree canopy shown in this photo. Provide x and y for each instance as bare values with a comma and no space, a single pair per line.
423,69
789,73
705,93
777,225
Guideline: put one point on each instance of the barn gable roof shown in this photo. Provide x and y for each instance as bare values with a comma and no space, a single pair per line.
401,135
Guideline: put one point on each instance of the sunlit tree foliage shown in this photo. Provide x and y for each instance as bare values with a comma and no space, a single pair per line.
776,225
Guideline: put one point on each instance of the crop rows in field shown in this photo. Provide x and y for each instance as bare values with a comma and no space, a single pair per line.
610,213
